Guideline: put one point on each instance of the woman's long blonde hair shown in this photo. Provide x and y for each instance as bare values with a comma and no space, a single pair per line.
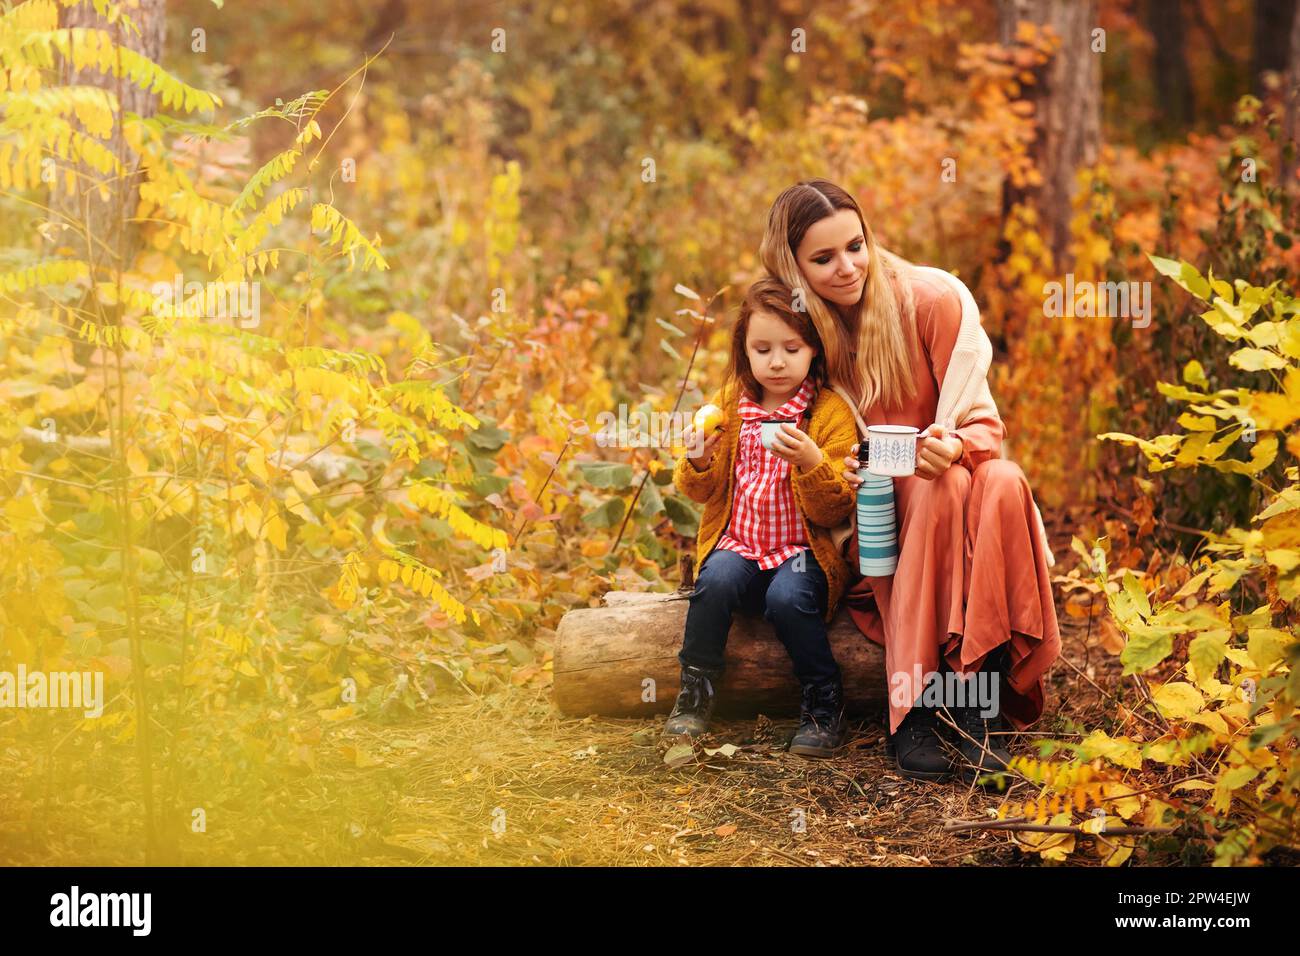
870,352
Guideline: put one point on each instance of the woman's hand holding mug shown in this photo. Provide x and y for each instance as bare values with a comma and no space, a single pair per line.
936,449
851,466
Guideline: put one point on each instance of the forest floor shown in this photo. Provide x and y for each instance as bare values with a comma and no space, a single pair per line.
507,780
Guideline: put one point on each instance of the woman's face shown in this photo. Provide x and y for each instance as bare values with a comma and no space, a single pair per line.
833,257
778,355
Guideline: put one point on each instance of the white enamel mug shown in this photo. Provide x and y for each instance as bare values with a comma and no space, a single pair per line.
768,430
892,450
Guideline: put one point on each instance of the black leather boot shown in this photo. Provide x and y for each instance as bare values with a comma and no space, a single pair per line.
977,737
918,751
694,706
821,720
981,751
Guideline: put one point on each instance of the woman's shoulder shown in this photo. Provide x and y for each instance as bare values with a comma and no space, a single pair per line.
930,289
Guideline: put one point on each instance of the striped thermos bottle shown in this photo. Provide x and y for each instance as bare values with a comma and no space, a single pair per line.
877,530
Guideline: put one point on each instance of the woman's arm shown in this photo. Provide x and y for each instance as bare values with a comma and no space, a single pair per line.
981,431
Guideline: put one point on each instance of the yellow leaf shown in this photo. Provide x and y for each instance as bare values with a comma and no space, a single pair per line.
24,515
1284,559
295,505
1119,799
302,480
1177,700
252,518
1116,853
1266,645
136,461
1051,846
255,462
1120,751
277,532
359,757
1212,720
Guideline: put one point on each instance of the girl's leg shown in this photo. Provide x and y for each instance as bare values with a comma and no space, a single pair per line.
720,589
724,580
796,606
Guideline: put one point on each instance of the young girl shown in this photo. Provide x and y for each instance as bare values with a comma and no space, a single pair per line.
764,539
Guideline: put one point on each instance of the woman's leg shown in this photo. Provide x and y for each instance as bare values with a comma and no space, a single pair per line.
1008,591
921,605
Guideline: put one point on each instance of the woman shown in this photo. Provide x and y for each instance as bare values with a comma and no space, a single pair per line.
971,592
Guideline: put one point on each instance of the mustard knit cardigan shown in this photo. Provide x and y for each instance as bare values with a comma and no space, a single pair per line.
822,496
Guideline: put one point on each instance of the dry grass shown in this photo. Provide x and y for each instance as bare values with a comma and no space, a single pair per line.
596,791
504,779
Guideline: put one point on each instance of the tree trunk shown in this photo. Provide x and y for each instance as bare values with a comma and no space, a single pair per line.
1067,102
1272,43
114,241
1291,142
1173,80
620,660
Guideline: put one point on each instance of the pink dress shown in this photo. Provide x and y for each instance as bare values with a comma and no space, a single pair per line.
972,574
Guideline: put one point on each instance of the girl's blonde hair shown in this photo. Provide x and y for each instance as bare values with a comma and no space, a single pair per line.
870,352
774,297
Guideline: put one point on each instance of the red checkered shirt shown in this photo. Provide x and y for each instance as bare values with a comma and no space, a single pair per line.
765,524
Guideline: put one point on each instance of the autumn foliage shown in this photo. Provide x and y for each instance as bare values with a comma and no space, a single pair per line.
319,449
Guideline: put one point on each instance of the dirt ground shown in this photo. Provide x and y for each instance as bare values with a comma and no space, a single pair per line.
506,780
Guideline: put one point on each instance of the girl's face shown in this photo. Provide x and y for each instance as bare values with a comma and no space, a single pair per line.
833,258
778,356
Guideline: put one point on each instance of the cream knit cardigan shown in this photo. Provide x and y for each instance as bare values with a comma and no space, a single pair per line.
965,392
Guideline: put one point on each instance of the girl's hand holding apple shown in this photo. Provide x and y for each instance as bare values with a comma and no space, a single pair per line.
691,438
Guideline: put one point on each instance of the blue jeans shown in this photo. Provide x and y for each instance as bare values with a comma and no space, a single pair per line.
793,600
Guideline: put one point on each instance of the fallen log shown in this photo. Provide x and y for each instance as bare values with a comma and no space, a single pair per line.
620,660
